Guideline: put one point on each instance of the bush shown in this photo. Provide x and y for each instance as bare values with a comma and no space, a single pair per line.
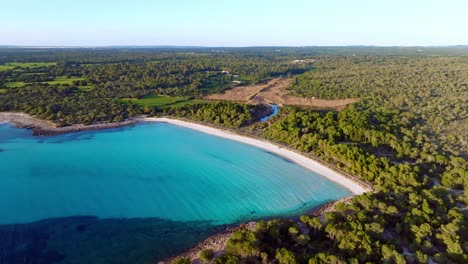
181,261
206,255
285,256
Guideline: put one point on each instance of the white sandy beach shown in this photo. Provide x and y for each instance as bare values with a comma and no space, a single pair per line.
301,160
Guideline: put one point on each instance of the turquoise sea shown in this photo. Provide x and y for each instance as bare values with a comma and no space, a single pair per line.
138,194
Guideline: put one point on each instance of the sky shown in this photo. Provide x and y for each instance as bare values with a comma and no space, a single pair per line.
233,23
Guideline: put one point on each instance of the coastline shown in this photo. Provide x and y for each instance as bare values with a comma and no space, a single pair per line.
218,241
355,187
44,127
41,127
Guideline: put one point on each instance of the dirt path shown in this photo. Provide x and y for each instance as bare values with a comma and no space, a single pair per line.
247,94
275,92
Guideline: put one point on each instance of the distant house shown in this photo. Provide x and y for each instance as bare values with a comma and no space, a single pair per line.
235,76
237,82
225,72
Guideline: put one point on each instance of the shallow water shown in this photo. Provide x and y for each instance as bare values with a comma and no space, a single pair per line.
152,181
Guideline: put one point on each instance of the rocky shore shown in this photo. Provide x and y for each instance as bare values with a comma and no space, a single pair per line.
216,242
47,128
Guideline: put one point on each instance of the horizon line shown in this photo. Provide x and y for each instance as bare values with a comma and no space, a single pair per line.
247,46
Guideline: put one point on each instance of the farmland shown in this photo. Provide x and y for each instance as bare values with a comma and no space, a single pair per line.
24,65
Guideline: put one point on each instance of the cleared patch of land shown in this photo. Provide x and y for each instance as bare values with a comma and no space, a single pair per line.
23,65
154,100
14,84
188,102
86,88
275,92
62,80
162,101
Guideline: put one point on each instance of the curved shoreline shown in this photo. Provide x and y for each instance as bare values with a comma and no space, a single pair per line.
355,187
44,127
217,241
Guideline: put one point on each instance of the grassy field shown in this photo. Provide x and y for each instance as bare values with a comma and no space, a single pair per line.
64,80
162,101
31,65
14,84
154,100
190,102
58,80
86,88
3,90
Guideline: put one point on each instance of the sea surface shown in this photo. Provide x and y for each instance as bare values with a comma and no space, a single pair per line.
138,194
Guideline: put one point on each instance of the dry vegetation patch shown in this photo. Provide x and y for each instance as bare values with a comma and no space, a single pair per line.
275,92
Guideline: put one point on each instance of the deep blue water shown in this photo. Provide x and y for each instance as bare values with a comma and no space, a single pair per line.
138,194
275,112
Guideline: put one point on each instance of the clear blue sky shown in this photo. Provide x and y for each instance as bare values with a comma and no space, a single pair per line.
233,23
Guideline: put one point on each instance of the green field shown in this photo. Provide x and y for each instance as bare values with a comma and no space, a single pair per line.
154,100
59,80
24,65
162,101
14,84
64,80
3,90
86,88
189,102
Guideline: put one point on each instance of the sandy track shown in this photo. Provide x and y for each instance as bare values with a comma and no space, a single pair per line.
275,92
246,93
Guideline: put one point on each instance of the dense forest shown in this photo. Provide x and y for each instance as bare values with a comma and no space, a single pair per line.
407,135
433,89
419,192
417,212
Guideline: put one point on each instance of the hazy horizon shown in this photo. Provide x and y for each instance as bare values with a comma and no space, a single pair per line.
209,23
184,46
